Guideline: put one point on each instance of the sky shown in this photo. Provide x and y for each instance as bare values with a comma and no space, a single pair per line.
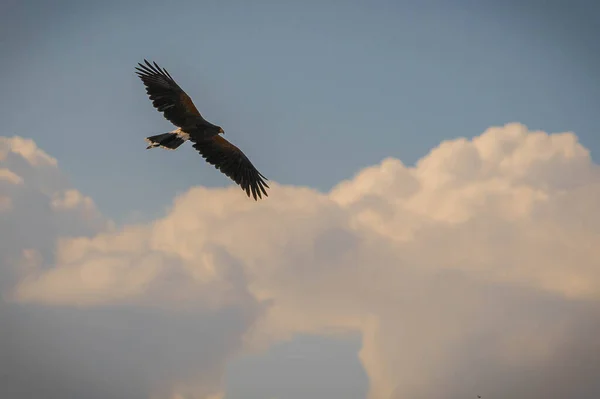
431,229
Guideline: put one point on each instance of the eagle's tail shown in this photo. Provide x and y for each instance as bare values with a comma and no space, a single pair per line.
170,141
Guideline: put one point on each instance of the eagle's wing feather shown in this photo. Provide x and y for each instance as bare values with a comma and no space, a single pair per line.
230,160
166,95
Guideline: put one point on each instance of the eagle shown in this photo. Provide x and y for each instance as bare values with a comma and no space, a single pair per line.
178,108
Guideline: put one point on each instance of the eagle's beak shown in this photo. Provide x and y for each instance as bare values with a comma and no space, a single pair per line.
221,131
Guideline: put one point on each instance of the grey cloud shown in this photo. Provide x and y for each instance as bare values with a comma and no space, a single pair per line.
115,352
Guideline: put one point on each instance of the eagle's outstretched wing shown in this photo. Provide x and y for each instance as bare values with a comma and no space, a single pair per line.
166,95
233,163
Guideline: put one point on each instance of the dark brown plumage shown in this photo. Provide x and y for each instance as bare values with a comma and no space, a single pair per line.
178,108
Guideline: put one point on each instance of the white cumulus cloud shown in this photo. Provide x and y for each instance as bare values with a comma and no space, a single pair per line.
477,271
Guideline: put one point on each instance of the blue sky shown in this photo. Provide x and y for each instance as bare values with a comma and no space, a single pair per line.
311,91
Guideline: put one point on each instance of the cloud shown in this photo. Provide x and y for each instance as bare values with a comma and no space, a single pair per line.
474,272
160,329
31,190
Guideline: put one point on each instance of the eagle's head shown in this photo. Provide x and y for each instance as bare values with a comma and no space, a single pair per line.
216,129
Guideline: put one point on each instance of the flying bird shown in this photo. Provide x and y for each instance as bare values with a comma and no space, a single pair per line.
177,107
